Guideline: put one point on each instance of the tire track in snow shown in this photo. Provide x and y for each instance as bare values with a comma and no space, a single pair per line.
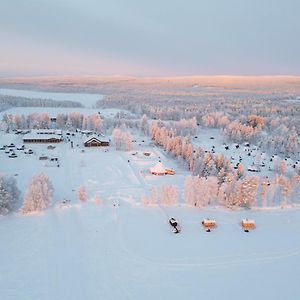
202,262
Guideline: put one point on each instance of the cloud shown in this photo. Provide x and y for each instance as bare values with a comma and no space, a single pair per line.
168,37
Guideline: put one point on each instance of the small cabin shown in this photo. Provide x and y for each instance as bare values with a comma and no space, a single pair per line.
209,223
95,142
248,224
43,157
170,172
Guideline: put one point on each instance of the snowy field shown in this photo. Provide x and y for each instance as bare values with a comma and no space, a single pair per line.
121,250
89,252
87,100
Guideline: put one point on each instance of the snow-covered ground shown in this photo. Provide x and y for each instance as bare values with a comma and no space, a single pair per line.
122,250
107,252
87,100
125,251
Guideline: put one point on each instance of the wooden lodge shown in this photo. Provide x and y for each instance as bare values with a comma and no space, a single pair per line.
45,140
95,142
43,136
248,224
208,224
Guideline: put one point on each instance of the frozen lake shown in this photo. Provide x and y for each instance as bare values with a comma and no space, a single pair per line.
87,100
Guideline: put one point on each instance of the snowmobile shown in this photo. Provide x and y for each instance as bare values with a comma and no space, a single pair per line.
174,224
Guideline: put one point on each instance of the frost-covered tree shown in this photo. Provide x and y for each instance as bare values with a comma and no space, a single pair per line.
240,171
189,190
154,195
38,195
144,126
122,139
168,194
248,191
152,199
81,193
9,194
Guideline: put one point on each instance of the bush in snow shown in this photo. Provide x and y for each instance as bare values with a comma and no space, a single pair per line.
38,195
9,194
97,200
81,193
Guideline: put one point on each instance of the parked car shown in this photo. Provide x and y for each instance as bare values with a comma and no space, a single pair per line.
29,151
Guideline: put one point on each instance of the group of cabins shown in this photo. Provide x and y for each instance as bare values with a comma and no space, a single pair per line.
246,224
50,136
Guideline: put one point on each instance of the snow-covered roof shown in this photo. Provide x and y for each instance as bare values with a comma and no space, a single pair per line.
47,131
209,221
39,136
94,136
86,131
158,168
248,221
253,168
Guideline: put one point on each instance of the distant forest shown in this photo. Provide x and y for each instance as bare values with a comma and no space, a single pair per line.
12,101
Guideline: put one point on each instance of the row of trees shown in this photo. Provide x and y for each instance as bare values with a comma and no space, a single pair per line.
243,192
38,195
12,101
234,192
167,195
197,160
71,121
198,191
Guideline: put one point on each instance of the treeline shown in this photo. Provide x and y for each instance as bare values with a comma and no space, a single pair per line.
12,101
69,121
234,192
